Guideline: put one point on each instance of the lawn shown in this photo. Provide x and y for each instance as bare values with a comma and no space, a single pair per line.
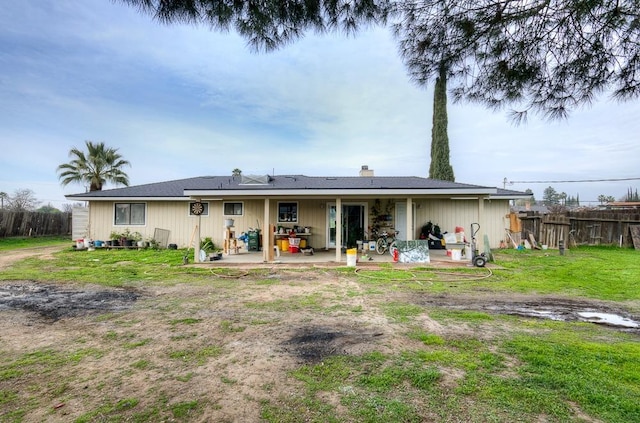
148,339
13,243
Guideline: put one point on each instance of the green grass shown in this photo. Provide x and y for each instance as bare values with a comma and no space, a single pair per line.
606,273
16,243
571,365
198,356
106,267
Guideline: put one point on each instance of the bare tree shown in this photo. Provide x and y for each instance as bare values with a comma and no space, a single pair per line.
68,207
23,200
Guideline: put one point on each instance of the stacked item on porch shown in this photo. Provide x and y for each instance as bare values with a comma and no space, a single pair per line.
294,245
432,234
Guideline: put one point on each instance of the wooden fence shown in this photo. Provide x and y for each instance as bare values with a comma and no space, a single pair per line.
34,224
587,227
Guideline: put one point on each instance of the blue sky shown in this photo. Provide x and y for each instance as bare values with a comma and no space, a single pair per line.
182,101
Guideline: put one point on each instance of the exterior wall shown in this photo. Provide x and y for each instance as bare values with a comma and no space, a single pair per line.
451,213
174,216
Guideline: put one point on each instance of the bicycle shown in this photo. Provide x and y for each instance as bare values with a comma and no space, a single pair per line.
386,242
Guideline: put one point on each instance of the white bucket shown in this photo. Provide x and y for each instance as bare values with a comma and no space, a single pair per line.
352,257
372,245
228,223
456,255
80,243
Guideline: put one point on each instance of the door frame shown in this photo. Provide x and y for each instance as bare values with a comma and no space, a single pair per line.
330,204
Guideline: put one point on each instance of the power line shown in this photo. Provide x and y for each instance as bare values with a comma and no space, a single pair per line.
505,181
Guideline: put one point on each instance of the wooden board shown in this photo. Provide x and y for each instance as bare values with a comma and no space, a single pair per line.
635,235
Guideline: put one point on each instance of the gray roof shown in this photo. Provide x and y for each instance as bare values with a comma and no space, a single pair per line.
376,184
511,193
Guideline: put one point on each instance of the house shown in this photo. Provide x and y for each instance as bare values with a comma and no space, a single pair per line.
328,211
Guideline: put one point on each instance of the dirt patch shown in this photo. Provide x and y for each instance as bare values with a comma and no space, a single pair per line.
44,253
54,302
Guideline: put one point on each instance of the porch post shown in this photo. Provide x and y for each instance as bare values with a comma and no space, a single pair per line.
409,227
338,230
267,248
479,237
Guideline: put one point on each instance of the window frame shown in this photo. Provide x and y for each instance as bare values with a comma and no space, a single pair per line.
224,207
296,211
129,204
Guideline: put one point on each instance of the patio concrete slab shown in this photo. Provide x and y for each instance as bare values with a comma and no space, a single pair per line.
325,257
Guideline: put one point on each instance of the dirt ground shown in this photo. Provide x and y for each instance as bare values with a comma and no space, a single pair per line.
229,343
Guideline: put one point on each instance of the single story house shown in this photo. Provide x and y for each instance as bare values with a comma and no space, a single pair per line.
328,211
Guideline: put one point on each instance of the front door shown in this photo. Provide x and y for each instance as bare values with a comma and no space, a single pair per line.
353,224
401,220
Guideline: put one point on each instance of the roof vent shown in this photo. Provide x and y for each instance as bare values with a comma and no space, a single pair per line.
255,179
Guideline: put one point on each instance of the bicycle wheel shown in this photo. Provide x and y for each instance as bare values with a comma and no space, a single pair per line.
392,248
381,245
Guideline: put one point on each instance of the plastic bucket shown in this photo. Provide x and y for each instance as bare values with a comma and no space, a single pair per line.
228,223
80,243
294,241
303,243
372,245
456,255
285,244
294,249
352,257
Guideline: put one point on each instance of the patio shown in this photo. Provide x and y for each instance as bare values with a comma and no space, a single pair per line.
326,257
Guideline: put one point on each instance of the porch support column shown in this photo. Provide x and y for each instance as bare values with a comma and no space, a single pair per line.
409,227
479,237
338,230
267,234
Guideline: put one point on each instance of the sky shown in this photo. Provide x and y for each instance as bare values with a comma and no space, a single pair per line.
182,101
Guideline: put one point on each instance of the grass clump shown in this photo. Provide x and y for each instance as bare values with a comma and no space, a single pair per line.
198,356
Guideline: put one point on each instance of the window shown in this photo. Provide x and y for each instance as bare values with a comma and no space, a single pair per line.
288,212
130,213
193,208
232,209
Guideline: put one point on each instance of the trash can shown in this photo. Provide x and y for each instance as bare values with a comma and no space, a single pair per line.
254,240
352,257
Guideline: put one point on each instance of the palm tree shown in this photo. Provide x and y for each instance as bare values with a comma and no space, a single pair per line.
99,165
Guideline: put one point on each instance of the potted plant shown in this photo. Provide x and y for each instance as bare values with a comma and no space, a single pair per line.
208,247
153,243
114,238
125,238
136,237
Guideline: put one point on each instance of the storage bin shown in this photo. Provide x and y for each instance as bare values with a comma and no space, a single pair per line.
285,244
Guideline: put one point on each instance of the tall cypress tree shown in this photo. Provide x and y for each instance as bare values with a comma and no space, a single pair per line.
440,168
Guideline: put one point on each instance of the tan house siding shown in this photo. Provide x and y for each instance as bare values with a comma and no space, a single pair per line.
174,215
449,213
